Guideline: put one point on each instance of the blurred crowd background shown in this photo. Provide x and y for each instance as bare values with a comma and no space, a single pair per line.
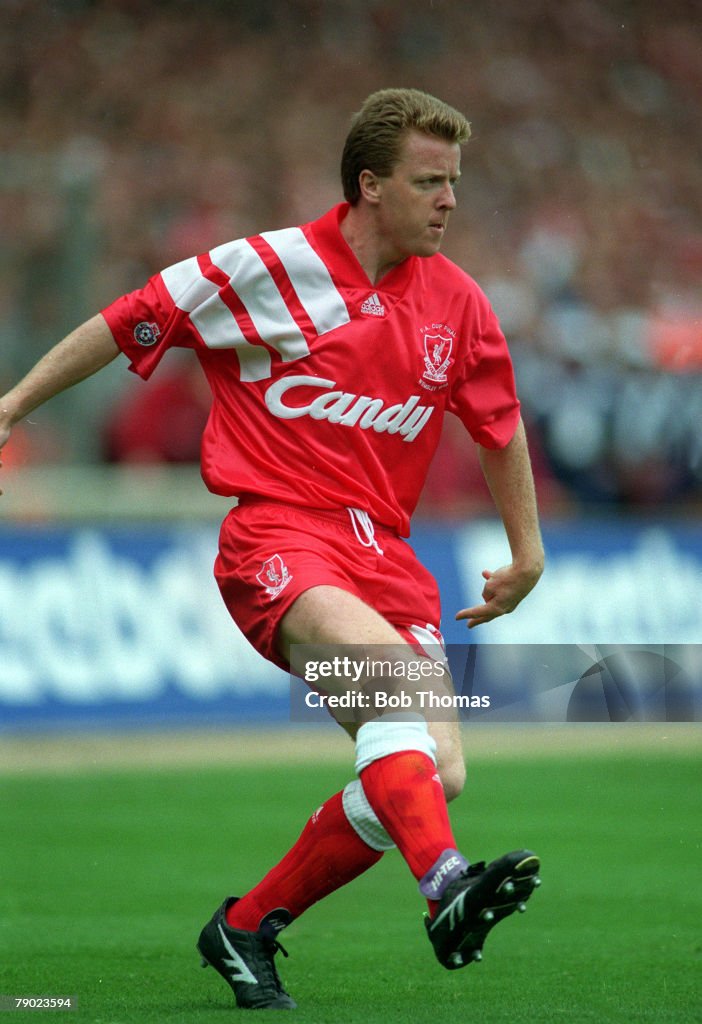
136,133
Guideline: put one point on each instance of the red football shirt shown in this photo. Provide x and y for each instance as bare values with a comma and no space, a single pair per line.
327,391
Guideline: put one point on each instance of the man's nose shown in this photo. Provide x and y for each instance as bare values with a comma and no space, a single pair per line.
447,198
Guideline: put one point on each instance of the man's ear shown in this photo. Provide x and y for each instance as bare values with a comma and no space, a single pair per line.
371,187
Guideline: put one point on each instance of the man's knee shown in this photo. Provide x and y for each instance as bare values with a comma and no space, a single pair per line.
453,777
449,757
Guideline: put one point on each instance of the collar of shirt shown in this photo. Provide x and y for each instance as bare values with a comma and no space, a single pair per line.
342,262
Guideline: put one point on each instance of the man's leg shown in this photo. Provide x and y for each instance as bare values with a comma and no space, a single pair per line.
403,768
344,837
396,760
397,763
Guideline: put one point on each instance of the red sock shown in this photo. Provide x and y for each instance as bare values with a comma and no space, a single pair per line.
405,791
328,854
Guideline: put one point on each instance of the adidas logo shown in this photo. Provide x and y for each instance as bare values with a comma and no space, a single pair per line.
372,306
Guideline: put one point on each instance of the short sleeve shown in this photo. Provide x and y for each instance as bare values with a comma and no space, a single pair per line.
143,325
484,394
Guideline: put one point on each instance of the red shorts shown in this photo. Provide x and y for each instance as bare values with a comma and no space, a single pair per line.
270,553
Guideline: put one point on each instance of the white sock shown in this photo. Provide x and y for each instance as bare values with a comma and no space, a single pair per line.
380,738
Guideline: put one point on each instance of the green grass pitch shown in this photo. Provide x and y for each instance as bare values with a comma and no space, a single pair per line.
107,877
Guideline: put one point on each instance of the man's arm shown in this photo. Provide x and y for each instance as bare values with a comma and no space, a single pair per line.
81,353
508,474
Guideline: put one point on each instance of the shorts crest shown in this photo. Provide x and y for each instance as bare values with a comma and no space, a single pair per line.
274,576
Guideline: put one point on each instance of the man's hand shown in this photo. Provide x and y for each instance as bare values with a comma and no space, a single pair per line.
508,474
503,590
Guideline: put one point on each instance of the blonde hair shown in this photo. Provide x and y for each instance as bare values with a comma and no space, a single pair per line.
378,129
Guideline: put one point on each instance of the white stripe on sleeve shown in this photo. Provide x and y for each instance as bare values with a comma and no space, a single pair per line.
197,295
310,278
219,329
186,284
258,292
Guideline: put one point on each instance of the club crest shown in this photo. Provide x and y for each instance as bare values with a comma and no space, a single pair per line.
274,576
438,347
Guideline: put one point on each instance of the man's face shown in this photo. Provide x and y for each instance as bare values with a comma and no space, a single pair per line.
414,203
